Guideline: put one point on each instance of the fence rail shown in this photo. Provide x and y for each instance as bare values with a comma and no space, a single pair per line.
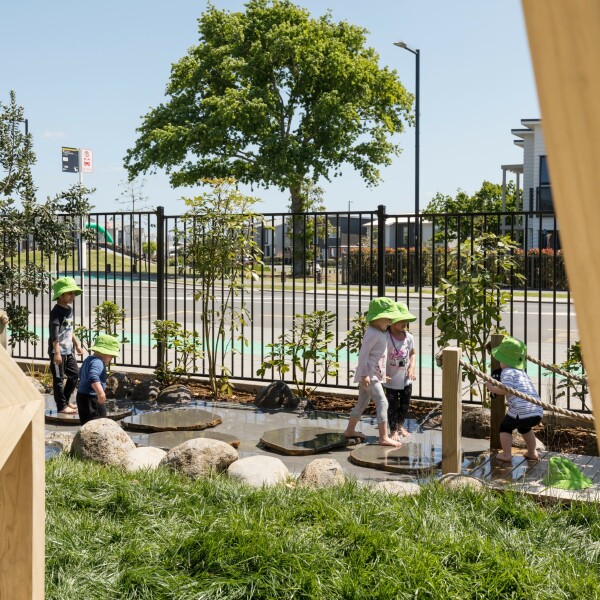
335,261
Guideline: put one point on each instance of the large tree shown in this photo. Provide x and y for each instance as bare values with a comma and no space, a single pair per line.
272,96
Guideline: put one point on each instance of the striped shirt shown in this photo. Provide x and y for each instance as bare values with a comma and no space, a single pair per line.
520,381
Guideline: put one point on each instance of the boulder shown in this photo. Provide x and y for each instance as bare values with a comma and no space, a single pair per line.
103,441
199,457
145,457
476,423
399,488
259,471
146,391
274,395
175,394
457,481
519,442
118,386
62,438
322,472
40,387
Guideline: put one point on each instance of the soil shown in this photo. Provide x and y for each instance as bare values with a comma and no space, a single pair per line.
567,440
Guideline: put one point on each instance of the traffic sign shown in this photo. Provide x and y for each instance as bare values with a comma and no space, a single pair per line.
87,161
70,160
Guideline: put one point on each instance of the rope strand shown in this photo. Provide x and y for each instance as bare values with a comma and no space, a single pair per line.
555,369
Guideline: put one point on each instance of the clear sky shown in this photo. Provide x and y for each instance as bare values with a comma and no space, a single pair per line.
86,72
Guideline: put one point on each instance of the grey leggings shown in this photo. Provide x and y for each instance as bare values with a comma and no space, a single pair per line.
374,391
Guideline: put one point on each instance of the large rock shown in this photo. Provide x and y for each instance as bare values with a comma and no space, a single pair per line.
146,457
322,472
175,394
476,423
119,386
103,441
38,385
457,481
199,457
62,438
279,395
399,488
259,471
146,391
519,442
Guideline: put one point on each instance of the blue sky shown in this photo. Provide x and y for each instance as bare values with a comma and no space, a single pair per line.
86,72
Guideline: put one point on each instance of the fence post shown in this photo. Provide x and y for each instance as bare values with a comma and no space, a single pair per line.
497,409
3,337
381,250
451,411
161,250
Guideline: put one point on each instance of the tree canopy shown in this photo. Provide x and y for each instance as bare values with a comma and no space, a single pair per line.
272,96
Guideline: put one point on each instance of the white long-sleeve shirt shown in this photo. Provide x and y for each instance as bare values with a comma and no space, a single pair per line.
372,356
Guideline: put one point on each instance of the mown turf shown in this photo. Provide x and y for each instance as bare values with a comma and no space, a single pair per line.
159,535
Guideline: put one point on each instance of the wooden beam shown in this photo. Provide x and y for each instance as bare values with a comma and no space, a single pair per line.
564,38
497,408
451,411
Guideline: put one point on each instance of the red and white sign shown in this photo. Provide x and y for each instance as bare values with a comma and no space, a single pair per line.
87,161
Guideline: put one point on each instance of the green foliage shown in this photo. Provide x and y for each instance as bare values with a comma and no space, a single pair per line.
356,333
272,96
149,248
170,336
468,304
488,199
18,323
304,351
218,228
573,364
156,535
108,318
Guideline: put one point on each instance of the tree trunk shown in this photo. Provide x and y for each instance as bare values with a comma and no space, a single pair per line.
297,232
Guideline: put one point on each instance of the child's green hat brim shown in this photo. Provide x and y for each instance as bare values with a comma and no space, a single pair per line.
106,344
405,315
63,285
565,475
382,308
511,352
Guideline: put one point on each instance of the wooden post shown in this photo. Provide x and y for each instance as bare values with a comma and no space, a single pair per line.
3,339
22,465
451,411
497,408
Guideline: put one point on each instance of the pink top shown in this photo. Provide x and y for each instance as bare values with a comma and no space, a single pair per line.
372,356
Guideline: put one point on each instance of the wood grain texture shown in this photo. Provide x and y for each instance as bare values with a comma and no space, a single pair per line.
451,411
564,39
497,408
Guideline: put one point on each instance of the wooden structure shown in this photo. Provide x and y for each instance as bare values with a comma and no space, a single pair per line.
22,491
564,38
3,337
497,408
451,411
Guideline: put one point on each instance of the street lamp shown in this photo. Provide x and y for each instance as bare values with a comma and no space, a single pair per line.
417,54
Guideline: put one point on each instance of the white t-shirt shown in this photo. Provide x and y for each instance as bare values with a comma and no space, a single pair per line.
398,360
519,380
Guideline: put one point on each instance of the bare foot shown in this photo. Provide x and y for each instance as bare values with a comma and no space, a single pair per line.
354,435
395,436
67,411
72,405
504,457
404,432
535,457
389,442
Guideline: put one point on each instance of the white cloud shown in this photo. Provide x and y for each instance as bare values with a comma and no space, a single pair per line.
54,134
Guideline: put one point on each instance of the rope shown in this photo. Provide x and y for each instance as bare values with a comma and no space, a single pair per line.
555,369
518,394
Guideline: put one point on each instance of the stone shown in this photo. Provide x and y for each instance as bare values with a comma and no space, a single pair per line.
103,441
146,391
40,387
300,441
118,386
275,395
259,471
179,419
143,458
416,457
519,442
399,488
322,472
63,438
456,481
200,457
175,394
476,423
169,439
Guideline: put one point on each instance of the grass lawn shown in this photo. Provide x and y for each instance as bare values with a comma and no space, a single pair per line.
159,535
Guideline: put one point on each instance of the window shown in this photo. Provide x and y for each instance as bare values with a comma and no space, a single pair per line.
545,203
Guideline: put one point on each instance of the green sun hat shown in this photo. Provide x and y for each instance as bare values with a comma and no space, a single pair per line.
511,352
382,308
565,475
63,285
405,315
106,344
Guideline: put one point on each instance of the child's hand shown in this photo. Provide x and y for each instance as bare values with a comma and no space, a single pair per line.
387,378
102,399
411,374
79,350
57,358
366,380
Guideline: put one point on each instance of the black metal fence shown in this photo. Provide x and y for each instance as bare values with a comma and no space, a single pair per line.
335,261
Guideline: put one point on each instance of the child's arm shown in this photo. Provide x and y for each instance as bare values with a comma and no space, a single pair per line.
77,345
97,387
412,365
362,369
494,388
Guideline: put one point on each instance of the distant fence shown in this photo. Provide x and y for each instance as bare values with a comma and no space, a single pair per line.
349,258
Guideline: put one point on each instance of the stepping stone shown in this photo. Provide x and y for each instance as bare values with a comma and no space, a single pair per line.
52,417
180,419
169,439
410,458
302,441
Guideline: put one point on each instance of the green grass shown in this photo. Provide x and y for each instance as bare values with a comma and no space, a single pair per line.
159,535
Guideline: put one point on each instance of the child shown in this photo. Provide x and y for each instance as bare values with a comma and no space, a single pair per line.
401,361
61,343
91,398
521,415
370,372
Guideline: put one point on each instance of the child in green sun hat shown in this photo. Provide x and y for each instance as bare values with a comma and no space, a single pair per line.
91,398
62,342
371,370
521,415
